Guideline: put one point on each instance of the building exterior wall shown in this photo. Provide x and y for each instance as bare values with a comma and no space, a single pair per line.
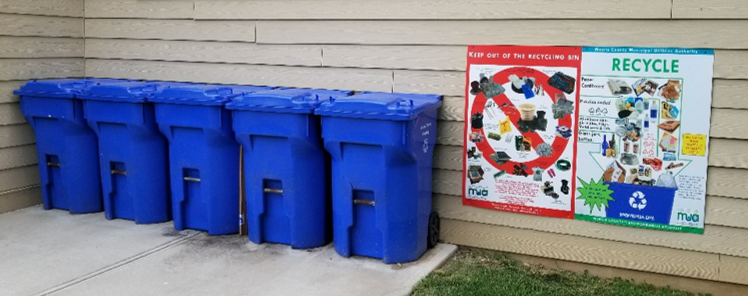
38,39
415,46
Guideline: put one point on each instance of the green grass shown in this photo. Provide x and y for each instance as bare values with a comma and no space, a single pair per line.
476,272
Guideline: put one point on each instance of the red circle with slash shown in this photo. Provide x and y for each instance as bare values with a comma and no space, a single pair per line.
559,144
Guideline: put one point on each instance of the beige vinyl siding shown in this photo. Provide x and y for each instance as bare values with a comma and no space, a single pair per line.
419,46
39,39
72,8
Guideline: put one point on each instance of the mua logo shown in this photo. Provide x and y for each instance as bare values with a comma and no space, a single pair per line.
688,217
477,191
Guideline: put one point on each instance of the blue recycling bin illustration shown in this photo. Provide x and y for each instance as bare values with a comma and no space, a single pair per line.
67,149
285,166
203,155
382,146
133,161
642,203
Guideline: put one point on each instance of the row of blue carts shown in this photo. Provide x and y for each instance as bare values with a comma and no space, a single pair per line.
319,165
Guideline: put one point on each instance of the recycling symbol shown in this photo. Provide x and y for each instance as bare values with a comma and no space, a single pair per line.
637,201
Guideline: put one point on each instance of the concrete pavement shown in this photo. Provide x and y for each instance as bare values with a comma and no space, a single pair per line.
55,253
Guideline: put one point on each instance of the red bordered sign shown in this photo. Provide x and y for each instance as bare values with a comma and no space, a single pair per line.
502,174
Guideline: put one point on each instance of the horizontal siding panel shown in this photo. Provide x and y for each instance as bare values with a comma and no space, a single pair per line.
425,9
20,69
710,9
585,250
448,157
730,94
16,135
10,113
139,9
40,47
727,182
72,8
727,211
731,64
20,199
716,239
452,108
15,157
733,269
45,26
450,133
396,57
334,78
728,153
721,34
171,29
19,177
448,83
214,52
6,91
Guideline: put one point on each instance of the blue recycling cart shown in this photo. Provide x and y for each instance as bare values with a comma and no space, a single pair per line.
203,155
382,146
133,162
66,148
285,166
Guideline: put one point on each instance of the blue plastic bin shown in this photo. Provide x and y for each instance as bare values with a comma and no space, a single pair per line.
203,155
132,152
381,146
66,148
285,166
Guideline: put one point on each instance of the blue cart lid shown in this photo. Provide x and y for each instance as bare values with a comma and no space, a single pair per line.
248,89
207,95
134,92
286,100
58,88
378,105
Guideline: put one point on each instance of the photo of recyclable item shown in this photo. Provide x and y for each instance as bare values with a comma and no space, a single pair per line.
505,126
669,143
655,163
631,107
500,157
562,107
645,85
476,137
473,153
614,172
669,111
563,131
530,120
522,143
525,86
476,120
609,147
494,136
475,174
487,86
669,126
671,90
618,87
562,82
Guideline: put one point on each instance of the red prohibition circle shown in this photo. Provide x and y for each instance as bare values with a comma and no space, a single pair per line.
559,144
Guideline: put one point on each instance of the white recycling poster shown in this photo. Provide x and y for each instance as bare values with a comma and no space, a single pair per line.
643,136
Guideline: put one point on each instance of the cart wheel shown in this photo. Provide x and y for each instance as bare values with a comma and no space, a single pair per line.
434,228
